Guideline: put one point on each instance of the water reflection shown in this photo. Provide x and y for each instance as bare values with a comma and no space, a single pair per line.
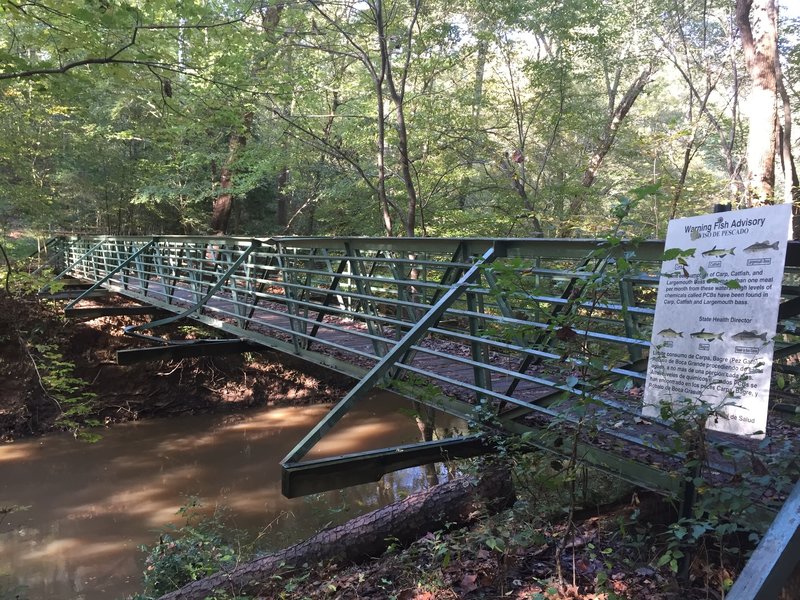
91,506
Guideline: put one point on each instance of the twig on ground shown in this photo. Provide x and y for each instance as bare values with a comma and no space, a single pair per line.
38,374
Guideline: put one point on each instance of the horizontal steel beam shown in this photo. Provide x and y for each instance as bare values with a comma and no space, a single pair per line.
92,312
324,474
71,294
516,247
189,350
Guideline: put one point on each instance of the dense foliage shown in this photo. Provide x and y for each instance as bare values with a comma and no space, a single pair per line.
373,116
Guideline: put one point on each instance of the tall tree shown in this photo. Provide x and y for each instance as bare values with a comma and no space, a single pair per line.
223,203
698,40
757,20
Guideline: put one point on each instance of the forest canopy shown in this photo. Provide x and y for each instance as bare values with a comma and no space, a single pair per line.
392,117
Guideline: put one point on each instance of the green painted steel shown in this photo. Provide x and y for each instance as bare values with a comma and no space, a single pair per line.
427,317
347,303
325,474
122,264
84,256
377,373
201,301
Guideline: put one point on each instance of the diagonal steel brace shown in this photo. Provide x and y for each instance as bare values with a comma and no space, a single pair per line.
131,329
111,273
73,264
377,373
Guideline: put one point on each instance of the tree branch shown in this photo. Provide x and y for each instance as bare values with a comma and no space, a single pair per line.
8,270
82,63
112,58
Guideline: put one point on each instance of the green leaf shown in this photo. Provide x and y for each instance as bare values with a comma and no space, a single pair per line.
699,530
664,559
673,253
646,190
496,544
446,559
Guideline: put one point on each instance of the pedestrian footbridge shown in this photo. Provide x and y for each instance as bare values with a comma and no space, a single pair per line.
528,331
547,339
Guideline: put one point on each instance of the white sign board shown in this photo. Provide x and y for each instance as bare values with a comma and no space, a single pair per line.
716,315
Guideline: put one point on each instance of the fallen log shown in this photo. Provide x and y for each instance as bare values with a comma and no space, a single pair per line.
458,502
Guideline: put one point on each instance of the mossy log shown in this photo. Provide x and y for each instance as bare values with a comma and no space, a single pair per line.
458,502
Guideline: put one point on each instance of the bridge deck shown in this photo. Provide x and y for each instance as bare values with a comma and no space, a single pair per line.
348,341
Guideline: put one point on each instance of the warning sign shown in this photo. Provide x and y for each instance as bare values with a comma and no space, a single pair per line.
716,315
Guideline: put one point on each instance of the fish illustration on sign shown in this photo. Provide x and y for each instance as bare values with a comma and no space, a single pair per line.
719,252
747,336
761,246
706,335
670,333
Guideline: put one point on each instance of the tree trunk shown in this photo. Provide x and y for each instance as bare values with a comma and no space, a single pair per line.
791,184
282,199
223,203
477,91
612,127
459,501
383,198
405,168
606,141
757,21
397,95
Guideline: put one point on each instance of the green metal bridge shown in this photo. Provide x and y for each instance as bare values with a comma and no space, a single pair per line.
530,332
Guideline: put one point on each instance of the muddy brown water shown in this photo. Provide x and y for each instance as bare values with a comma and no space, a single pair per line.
91,506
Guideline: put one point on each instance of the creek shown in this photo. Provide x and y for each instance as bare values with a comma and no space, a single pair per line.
89,507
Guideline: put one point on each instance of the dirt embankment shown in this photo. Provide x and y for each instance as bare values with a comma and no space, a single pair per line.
47,360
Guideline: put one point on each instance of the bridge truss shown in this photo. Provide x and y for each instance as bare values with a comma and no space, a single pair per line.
509,331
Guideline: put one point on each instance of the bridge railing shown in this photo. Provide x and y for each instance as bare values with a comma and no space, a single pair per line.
299,290
508,324
310,292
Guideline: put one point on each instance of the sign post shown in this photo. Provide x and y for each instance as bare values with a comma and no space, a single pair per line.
716,316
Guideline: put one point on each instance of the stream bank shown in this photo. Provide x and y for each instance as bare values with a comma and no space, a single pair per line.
47,361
